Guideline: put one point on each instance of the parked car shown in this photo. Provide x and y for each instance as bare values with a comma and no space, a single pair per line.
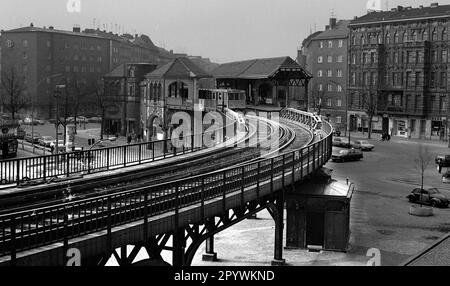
429,197
443,161
363,145
82,119
336,132
95,119
341,142
40,122
347,155
32,138
21,133
446,178
46,141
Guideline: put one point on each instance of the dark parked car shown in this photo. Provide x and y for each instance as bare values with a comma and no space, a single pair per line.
34,139
443,161
21,133
429,197
341,142
347,155
336,132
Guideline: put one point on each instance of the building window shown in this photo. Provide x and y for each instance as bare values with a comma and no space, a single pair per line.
75,68
330,59
405,37
443,79
25,55
329,73
339,73
434,35
444,35
91,69
67,69
433,79
396,38
340,59
75,57
321,44
444,56
330,44
388,38
354,59
25,68
418,81
341,43
330,87
320,87
329,103
425,36
99,59
434,56
353,78
99,48
339,88
338,118
83,69
25,43
49,44
320,59
339,103
319,73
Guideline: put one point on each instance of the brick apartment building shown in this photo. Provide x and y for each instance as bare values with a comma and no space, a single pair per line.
400,58
47,57
324,55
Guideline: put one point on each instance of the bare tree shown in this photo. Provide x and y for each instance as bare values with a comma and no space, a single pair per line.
77,90
370,106
12,96
421,162
102,103
318,99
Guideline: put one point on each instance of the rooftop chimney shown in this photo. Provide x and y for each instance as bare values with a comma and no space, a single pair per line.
327,27
434,5
51,27
333,22
399,8
76,29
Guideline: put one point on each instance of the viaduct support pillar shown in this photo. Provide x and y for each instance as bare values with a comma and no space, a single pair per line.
278,215
210,255
178,248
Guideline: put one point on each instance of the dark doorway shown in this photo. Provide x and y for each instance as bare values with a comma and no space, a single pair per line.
385,125
315,222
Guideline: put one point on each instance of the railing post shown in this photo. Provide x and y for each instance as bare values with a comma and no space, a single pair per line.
125,155
45,168
107,158
177,205
271,175
242,185
140,153
18,171
153,150
309,158
258,178
13,241
293,170
89,161
224,197
66,233
67,164
202,209
145,216
283,172
108,226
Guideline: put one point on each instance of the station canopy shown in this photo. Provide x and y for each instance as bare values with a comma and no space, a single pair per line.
281,69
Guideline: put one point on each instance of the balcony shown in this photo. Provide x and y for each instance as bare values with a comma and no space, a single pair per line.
179,103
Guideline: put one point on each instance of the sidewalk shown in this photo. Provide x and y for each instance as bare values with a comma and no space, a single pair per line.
397,139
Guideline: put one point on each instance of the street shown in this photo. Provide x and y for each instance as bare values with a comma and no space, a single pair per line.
379,214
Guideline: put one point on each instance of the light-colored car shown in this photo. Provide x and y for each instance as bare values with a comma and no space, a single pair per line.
341,142
46,141
363,145
82,119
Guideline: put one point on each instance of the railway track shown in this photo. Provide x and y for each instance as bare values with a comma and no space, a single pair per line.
193,167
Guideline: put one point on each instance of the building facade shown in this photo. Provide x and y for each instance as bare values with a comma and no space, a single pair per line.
398,62
46,57
324,55
122,98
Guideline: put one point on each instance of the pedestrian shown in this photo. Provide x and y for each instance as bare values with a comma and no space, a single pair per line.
129,139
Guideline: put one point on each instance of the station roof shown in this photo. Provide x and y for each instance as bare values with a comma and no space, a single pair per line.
403,14
258,68
181,67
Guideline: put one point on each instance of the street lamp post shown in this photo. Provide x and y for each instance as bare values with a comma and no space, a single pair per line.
57,122
33,106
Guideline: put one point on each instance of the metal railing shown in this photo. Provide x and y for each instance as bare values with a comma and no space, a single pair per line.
30,229
47,167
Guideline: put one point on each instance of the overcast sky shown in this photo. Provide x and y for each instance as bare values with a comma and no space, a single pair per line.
223,30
